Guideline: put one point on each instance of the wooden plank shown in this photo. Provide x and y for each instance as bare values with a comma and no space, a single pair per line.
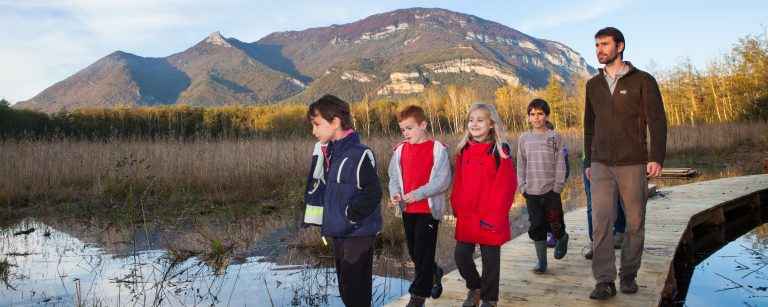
569,281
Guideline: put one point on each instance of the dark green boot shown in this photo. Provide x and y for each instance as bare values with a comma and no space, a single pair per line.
541,257
561,248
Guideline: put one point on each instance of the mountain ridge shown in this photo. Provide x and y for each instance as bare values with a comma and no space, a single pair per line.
393,54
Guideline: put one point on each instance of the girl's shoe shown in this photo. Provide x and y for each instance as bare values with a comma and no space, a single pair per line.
416,301
473,298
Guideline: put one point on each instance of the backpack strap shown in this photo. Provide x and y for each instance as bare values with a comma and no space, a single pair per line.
497,156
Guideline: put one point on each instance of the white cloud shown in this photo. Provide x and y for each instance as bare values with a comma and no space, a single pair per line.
44,41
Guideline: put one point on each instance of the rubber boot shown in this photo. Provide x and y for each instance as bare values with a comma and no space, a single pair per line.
561,248
541,257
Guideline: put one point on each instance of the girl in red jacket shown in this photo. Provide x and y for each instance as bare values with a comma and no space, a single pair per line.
483,191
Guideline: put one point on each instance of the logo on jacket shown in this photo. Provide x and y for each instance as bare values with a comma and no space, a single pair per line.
623,92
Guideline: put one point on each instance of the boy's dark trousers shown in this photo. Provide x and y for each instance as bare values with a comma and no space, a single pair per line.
545,212
421,236
354,269
491,258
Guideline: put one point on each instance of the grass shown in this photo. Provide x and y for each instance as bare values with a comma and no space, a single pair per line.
138,180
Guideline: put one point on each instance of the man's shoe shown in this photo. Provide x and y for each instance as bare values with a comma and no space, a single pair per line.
437,287
561,248
628,285
416,301
618,240
473,298
603,291
489,304
590,252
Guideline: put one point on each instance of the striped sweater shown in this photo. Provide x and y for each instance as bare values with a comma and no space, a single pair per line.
540,163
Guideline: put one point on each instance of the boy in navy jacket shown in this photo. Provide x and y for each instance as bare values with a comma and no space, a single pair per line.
351,200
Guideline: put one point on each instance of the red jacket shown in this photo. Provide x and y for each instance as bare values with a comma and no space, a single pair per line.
482,195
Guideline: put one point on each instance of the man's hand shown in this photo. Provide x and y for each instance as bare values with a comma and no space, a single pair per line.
653,170
587,172
394,199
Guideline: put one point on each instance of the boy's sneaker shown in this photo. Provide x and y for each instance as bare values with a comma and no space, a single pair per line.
416,301
603,291
628,285
551,241
589,253
489,304
473,298
437,287
618,240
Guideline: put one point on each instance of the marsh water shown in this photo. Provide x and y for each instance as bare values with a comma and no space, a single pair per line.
247,262
735,275
76,262
257,262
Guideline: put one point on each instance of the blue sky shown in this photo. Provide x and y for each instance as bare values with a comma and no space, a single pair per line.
45,41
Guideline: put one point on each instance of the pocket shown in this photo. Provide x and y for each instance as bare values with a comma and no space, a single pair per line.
335,221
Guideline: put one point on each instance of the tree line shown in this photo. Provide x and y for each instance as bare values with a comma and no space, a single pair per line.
730,88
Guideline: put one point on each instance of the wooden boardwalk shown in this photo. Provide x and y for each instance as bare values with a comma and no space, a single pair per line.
670,222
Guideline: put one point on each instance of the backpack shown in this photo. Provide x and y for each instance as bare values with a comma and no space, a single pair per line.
567,162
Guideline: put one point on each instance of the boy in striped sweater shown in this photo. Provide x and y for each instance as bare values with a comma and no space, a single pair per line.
541,174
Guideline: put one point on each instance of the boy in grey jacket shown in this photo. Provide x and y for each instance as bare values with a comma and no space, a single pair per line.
419,175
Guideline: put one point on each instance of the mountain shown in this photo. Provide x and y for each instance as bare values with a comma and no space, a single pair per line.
394,54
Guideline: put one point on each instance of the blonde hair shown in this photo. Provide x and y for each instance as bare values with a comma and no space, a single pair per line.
496,133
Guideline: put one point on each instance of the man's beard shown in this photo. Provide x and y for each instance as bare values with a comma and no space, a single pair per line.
609,59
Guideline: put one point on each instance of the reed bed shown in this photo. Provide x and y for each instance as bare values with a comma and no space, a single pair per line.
263,175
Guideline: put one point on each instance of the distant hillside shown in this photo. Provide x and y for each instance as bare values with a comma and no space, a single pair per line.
393,54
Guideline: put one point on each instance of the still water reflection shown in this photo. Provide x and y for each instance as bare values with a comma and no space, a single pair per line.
735,275
66,264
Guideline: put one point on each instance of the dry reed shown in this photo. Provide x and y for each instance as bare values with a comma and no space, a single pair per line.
254,174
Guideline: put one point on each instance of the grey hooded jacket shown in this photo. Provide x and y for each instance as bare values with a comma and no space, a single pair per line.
434,190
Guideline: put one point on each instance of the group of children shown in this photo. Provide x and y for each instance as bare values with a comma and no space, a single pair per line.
343,196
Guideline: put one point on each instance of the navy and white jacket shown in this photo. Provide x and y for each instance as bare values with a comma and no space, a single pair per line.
352,192
315,189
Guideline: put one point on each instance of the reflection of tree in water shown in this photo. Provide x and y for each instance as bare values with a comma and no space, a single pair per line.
7,276
750,264
314,291
202,264
758,237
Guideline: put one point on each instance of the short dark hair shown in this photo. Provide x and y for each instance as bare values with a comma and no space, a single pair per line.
540,104
617,36
330,106
414,111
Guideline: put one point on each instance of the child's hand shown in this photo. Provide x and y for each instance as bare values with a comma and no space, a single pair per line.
394,199
409,198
